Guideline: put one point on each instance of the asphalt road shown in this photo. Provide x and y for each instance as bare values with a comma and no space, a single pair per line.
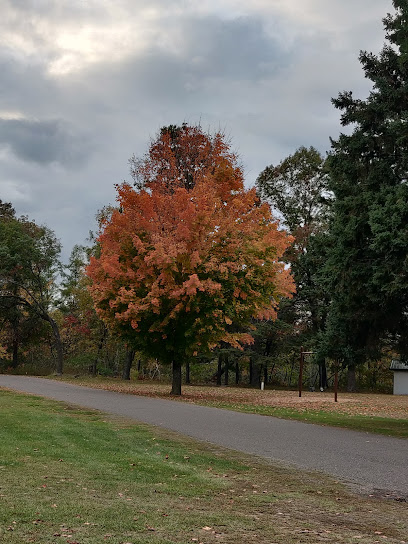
373,463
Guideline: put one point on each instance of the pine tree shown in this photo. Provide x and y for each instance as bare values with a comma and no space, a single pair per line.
367,268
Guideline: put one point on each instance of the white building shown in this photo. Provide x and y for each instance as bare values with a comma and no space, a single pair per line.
400,377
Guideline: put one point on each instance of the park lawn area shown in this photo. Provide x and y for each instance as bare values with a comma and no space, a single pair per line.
77,476
374,413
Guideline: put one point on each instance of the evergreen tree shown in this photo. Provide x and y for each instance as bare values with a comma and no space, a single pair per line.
367,264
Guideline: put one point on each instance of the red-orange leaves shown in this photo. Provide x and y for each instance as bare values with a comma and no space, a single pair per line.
178,268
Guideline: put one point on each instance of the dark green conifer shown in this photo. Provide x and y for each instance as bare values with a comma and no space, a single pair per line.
367,267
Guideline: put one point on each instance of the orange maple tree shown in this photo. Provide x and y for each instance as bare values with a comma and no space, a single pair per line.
182,156
179,266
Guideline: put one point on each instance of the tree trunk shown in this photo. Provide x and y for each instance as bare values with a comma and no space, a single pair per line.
226,377
14,362
237,374
291,370
130,355
187,372
58,344
256,374
176,379
351,379
219,368
271,372
265,370
323,376
100,346
373,377
15,333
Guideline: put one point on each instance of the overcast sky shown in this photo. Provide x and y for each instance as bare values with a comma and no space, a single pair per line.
84,84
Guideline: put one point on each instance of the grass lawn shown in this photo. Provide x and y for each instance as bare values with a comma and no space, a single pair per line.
80,477
374,413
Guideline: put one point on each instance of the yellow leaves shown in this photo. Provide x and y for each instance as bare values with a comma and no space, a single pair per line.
237,340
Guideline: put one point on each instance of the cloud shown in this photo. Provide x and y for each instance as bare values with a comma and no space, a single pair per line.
72,36
85,84
236,48
207,52
43,142
14,192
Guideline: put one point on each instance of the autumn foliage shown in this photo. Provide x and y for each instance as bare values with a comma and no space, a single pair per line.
182,156
181,268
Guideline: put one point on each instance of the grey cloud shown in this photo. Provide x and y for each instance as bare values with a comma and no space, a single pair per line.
25,86
25,14
237,48
43,142
225,51
54,9
271,96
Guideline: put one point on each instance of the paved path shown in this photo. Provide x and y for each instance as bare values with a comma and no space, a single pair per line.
372,462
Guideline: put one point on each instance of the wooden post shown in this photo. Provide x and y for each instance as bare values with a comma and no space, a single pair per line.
336,380
301,371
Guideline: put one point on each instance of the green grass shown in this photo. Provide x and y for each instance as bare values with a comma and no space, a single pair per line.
80,477
368,424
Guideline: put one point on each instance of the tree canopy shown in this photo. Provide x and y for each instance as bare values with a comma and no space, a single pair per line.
182,156
297,188
179,265
367,264
28,266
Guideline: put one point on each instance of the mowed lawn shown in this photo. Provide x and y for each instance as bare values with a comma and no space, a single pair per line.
376,413
80,477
